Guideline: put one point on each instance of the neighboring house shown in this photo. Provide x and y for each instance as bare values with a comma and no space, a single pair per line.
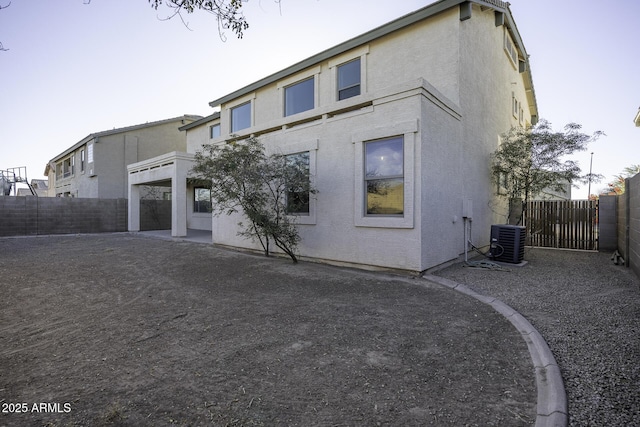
398,125
40,186
96,166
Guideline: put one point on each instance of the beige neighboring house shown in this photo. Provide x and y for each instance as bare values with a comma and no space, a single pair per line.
397,124
96,166
40,186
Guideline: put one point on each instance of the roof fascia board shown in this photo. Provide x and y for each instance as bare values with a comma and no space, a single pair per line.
515,34
376,33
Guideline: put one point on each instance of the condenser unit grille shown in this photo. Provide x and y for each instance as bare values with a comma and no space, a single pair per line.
509,242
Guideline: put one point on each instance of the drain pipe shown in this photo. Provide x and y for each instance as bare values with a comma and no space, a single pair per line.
466,216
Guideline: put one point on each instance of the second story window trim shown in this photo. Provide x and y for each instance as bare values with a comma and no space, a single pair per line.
247,117
300,97
241,117
214,131
349,79
337,62
510,49
302,83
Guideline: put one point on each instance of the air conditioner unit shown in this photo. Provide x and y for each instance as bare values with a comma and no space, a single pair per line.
507,243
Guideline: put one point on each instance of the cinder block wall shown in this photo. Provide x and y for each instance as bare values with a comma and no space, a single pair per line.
607,223
633,199
621,220
30,215
155,214
628,223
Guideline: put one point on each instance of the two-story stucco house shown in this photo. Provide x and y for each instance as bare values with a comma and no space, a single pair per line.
397,124
96,166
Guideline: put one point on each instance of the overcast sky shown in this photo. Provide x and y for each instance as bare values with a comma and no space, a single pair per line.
73,69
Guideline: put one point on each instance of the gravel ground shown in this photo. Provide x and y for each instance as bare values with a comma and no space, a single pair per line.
134,331
588,311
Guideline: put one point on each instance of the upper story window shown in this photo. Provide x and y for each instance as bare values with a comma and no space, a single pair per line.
349,79
83,160
214,131
299,97
65,168
241,117
510,48
384,176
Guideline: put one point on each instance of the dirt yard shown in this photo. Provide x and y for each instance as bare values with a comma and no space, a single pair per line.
133,331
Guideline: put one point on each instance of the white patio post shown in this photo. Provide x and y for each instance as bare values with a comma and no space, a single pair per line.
179,198
134,207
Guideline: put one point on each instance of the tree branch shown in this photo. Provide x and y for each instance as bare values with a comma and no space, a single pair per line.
2,48
227,12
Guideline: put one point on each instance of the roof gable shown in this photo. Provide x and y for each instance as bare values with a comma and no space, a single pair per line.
376,33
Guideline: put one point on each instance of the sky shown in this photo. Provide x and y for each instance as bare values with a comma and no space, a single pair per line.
72,69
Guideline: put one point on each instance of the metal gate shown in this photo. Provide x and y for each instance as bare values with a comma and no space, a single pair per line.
566,224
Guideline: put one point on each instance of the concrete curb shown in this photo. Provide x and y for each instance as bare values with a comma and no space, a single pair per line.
551,407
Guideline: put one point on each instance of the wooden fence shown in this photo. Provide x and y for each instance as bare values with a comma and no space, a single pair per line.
566,224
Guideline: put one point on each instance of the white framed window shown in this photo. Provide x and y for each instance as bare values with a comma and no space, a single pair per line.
202,200
83,160
384,176
89,153
521,114
214,131
304,208
299,92
510,48
297,200
515,105
349,78
348,74
241,117
299,97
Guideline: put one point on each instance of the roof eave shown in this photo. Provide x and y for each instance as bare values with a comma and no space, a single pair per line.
365,38
390,27
528,77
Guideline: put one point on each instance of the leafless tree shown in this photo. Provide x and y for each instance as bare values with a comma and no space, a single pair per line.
228,13
2,48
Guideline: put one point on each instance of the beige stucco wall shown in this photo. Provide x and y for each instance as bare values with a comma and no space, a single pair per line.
446,85
199,136
487,80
